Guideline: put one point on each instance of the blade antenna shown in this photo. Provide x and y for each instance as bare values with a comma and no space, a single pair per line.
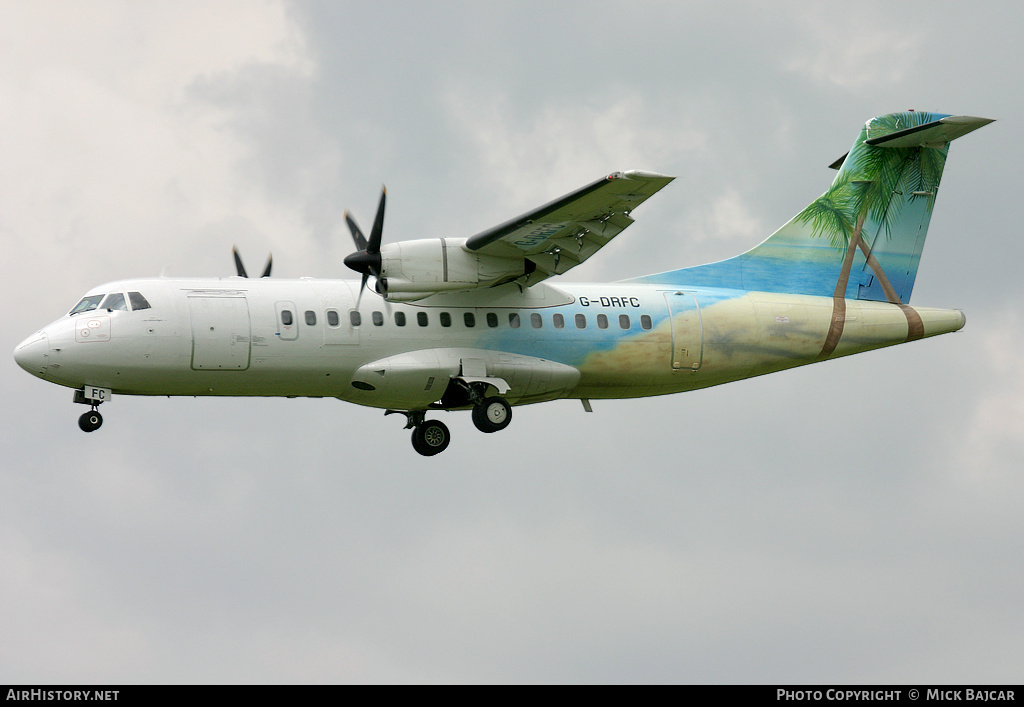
270,263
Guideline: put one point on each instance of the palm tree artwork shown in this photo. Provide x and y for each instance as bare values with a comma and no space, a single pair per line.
873,186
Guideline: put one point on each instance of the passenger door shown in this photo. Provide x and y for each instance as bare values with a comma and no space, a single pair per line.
220,331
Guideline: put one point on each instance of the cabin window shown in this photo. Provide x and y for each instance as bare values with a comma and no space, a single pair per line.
421,318
138,301
286,317
602,321
492,320
581,321
624,321
378,318
310,317
645,321
536,321
470,319
399,318
558,320
332,318
115,300
355,317
513,320
446,319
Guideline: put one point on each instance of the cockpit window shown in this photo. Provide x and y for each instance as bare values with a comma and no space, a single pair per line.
138,301
115,300
87,304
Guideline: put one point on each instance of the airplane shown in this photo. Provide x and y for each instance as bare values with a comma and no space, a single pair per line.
475,323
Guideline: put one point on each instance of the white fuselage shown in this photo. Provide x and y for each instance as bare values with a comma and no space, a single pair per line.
319,338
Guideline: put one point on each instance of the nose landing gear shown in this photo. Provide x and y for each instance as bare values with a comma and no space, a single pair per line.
90,421
92,396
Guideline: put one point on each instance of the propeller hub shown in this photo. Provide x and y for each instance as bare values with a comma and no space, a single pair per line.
363,262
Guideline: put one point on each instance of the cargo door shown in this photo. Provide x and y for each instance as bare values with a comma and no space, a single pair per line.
687,330
220,332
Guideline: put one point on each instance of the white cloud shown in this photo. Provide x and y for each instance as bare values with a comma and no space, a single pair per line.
852,50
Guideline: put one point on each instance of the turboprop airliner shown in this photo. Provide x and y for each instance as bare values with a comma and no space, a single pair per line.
477,324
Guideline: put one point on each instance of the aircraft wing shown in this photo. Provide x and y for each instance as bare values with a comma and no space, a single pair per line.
563,233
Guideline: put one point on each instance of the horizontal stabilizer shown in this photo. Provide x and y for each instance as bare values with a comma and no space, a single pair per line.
934,134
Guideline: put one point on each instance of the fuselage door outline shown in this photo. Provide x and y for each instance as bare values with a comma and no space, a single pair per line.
221,331
687,330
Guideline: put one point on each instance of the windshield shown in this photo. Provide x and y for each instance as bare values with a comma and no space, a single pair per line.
87,304
138,301
113,301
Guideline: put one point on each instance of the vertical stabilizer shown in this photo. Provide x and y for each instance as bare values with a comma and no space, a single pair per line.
862,239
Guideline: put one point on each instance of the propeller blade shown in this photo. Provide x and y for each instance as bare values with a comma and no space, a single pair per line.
270,263
238,263
357,234
366,259
373,246
362,286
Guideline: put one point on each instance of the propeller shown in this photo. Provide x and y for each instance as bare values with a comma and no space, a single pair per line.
366,259
240,269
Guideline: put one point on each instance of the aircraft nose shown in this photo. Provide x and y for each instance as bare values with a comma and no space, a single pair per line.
33,354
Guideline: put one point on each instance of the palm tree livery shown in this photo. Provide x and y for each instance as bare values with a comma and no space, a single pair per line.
874,184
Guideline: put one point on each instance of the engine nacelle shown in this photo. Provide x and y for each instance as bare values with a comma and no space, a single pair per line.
412,270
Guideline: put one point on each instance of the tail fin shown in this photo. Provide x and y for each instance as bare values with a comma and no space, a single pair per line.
862,239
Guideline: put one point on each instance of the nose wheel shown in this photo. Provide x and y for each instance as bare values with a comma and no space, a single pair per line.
90,421
92,396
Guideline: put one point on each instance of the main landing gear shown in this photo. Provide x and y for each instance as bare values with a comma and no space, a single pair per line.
430,437
492,414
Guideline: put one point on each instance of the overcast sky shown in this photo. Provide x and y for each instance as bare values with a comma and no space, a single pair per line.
853,521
